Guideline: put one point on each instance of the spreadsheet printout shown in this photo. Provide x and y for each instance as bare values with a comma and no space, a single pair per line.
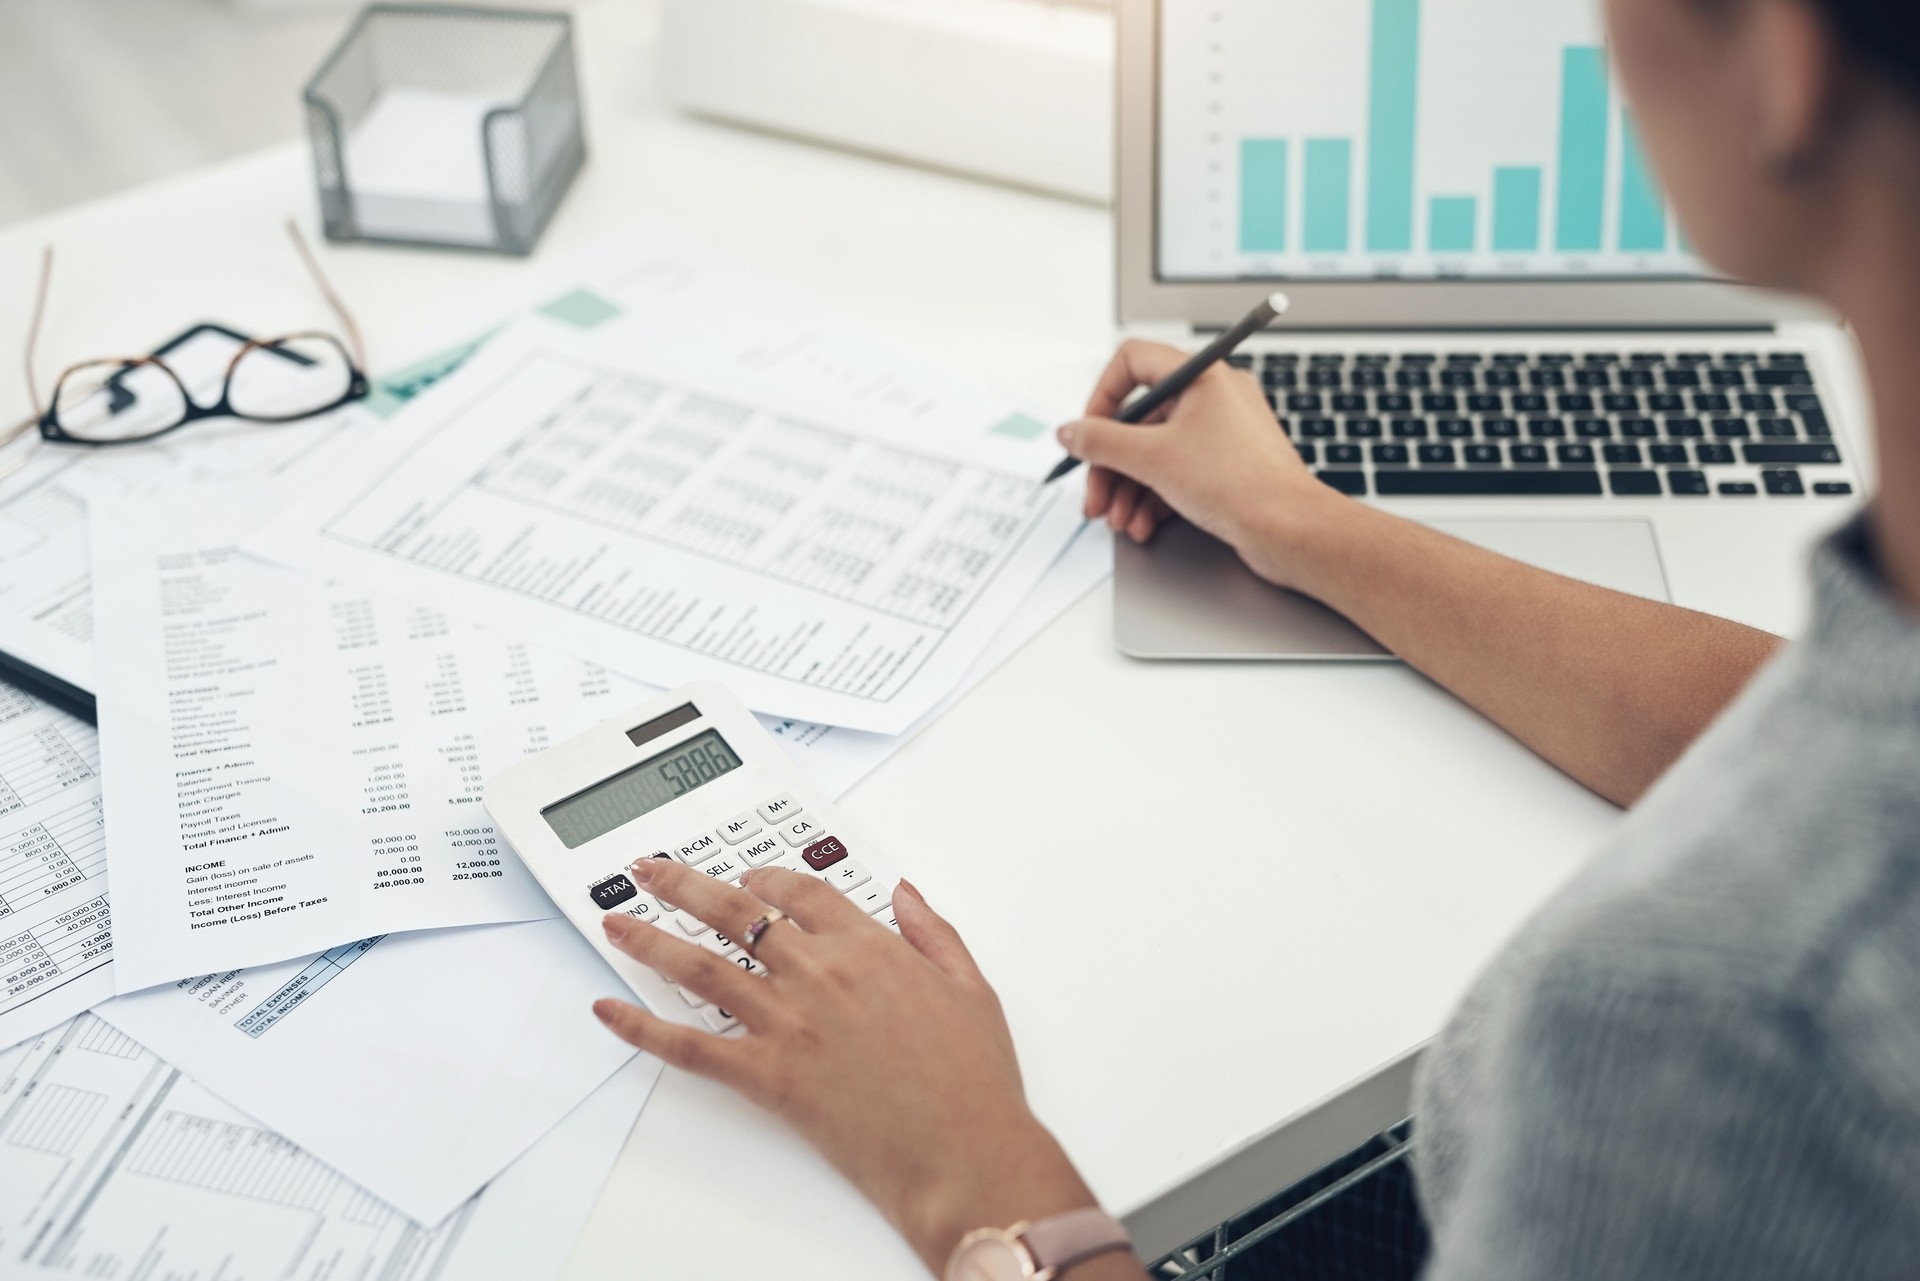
115,1163
417,1065
829,567
56,934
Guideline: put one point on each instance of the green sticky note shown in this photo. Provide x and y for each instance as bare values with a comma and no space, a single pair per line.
582,309
1019,426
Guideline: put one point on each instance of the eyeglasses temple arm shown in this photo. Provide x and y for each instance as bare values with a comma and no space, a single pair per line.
333,299
33,331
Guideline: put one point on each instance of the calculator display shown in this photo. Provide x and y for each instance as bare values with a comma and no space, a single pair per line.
640,790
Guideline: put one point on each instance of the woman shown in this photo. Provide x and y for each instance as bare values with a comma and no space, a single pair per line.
1703,1058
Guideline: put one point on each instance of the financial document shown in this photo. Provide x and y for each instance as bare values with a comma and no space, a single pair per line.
830,566
418,1065
114,1163
56,935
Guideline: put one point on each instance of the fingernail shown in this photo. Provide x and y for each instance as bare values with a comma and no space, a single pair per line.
616,925
913,889
1065,436
603,1010
642,869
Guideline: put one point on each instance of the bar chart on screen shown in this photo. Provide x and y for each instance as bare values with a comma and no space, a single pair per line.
1402,139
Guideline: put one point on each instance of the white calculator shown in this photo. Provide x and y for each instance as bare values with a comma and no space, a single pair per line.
692,776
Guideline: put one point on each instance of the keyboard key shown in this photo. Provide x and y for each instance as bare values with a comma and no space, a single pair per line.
1350,402
1529,403
1363,428
689,925
1409,429
1483,456
1685,428
1832,488
1343,454
746,962
1393,402
1762,455
718,944
1318,428
780,808
1499,428
1390,455
1487,403
802,831
1634,482
1778,428
1628,454
1713,455
1305,402
1437,455
1639,428
760,851
1455,428
612,892
1574,402
691,997
1782,378
1440,402
1546,428
718,1019
1739,488
1687,484
1783,482
848,876
1347,482
823,854
1309,454
698,850
1731,428
1669,453
1529,455
1759,402
1680,378
1454,483
1620,402
1593,428
740,827
1574,455
1711,402
726,868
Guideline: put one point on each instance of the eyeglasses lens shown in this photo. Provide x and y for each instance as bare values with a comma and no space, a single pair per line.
118,400
290,378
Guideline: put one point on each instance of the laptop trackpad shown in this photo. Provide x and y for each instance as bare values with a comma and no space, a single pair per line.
1187,596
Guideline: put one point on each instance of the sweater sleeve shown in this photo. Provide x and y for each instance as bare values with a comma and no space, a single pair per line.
1629,1130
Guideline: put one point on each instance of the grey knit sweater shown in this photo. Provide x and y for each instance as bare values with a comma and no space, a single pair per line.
1702,1059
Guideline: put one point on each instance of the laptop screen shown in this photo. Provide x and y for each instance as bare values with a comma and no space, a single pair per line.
1400,139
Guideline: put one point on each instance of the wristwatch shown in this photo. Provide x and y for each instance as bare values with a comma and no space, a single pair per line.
1040,1251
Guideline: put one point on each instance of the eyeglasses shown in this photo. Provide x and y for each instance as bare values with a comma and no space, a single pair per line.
130,399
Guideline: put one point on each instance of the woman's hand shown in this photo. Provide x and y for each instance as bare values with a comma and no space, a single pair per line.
1215,456
888,1053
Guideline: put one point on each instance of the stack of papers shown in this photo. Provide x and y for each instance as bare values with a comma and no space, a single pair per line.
311,645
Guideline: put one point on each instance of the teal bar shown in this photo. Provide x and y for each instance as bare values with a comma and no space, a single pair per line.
1516,210
1329,218
1583,151
1452,224
1643,212
1391,108
1263,195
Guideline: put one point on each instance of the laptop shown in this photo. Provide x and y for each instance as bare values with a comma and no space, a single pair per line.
1497,327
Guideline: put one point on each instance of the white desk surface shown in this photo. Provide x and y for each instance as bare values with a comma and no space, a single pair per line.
1211,895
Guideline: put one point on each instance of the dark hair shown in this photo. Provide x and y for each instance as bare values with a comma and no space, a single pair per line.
1884,33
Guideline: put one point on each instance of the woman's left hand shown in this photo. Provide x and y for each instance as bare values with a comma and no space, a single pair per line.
888,1053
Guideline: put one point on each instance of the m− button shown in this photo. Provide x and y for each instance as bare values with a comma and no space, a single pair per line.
740,827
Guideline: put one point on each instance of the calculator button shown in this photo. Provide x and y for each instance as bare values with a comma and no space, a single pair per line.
718,1019
760,851
719,944
846,875
699,849
657,854
612,892
780,808
750,965
801,831
727,868
871,897
822,855
644,909
740,827
688,995
692,924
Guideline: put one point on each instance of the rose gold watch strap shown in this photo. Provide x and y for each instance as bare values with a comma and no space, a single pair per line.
1063,1240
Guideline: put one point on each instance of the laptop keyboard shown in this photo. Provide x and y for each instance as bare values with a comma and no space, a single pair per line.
1638,424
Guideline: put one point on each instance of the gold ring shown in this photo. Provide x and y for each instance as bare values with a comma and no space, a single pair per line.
759,927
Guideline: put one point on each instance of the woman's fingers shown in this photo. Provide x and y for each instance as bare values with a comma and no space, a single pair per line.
701,1053
933,937
727,908
814,906
1135,364
1126,497
704,973
1148,517
1099,493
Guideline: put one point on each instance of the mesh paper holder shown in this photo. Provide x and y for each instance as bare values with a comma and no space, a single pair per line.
446,125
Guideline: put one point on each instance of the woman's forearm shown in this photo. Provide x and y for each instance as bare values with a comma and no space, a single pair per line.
1610,688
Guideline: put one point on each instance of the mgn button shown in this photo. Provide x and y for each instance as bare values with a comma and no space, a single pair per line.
612,892
822,855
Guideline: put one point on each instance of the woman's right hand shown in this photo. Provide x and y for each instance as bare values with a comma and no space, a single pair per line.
1215,456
